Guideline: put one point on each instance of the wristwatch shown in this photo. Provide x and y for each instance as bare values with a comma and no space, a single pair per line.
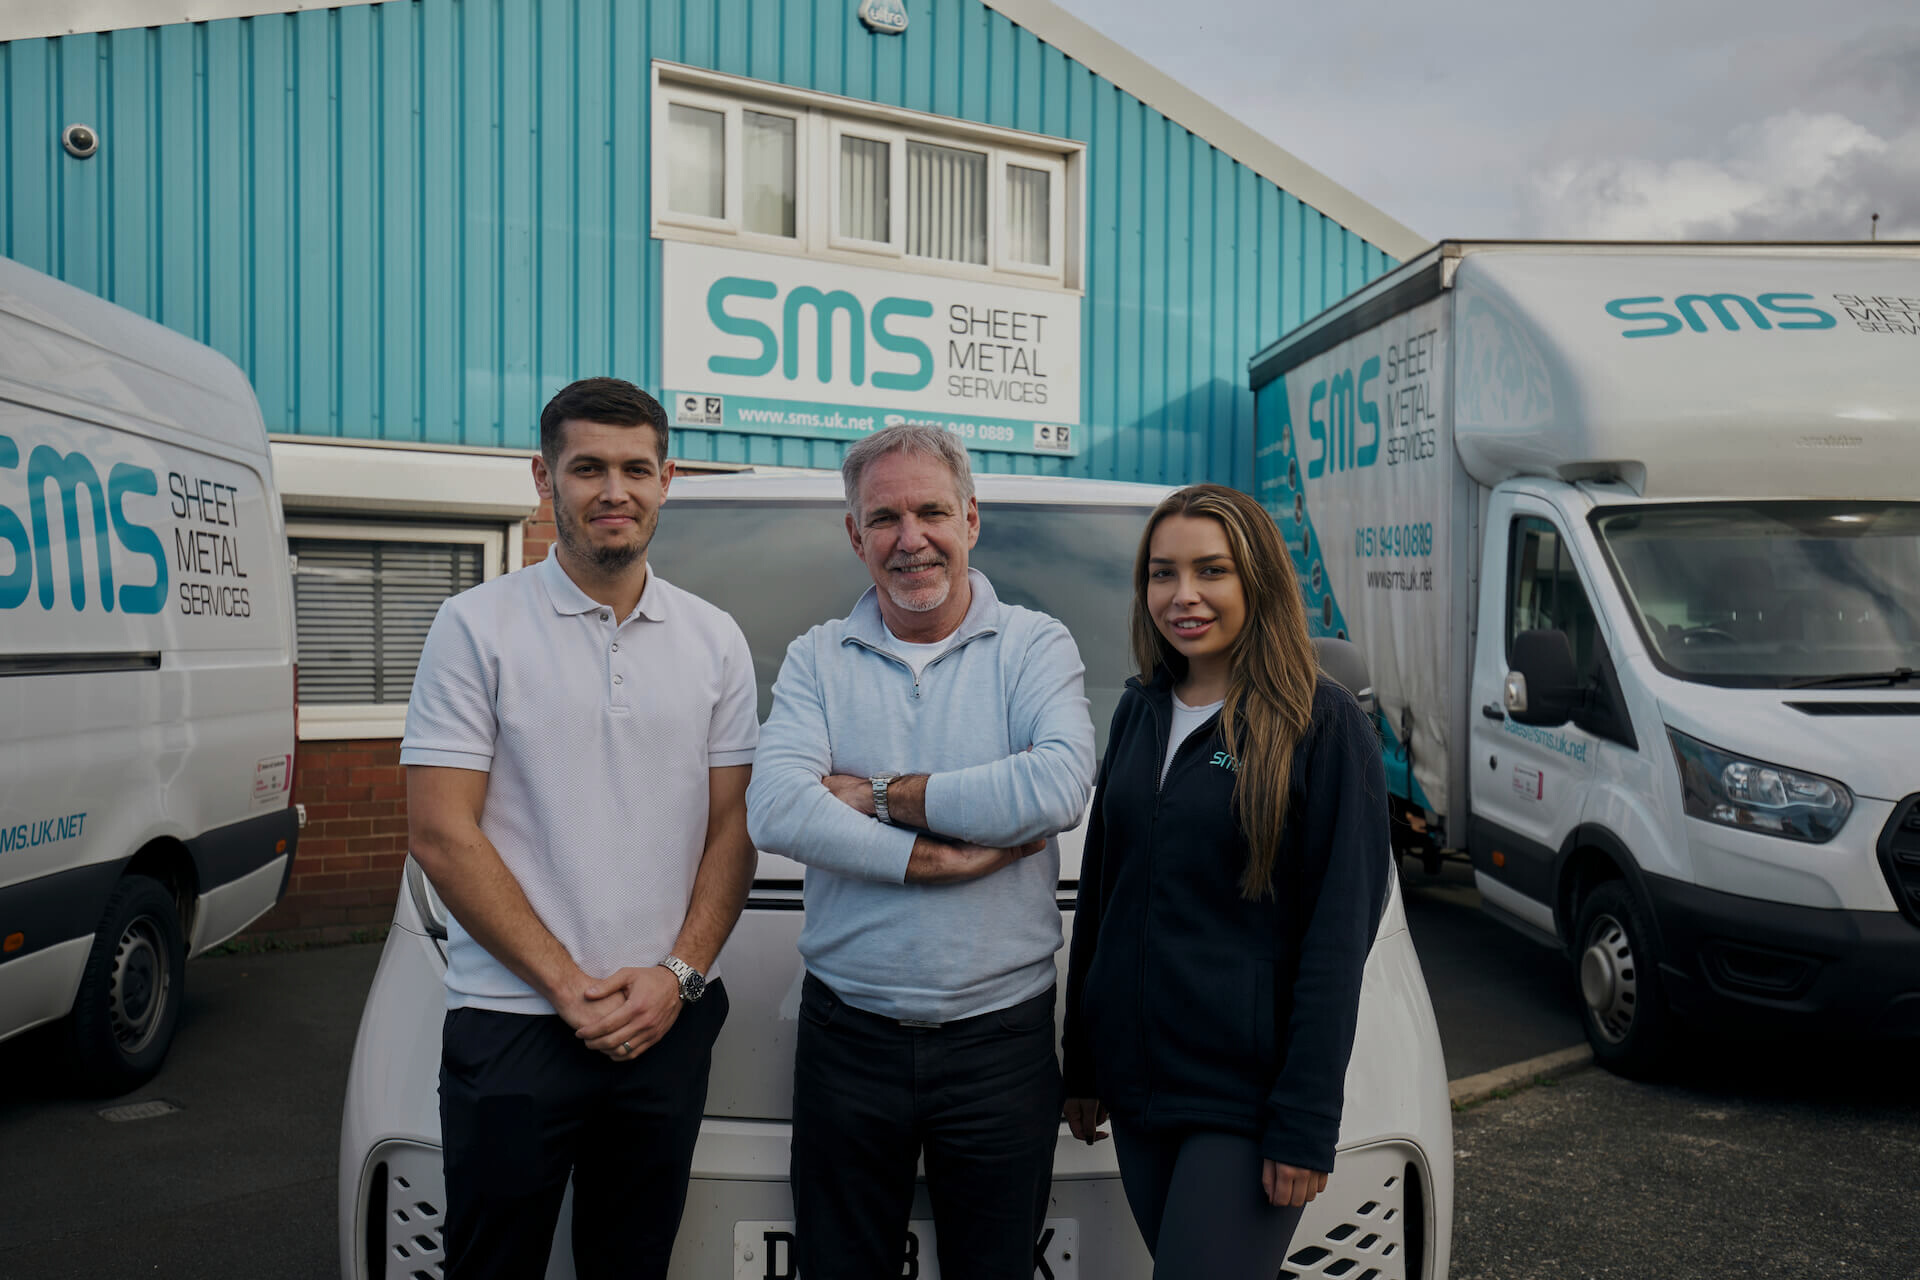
880,781
693,983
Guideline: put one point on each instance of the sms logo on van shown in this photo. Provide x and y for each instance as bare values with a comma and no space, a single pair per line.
1731,312
71,475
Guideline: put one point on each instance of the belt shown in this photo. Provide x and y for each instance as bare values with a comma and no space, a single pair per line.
825,992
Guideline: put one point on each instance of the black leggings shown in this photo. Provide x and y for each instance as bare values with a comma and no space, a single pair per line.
1199,1204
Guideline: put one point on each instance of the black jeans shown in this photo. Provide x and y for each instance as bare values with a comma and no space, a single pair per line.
523,1104
1197,1199
980,1097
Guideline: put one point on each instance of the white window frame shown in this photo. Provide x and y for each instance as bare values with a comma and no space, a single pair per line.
823,119
336,720
998,189
895,246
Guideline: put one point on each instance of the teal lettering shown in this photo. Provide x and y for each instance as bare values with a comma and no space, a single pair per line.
137,538
885,310
17,580
825,307
1367,454
1317,429
70,472
1618,310
1686,303
1821,320
1340,419
741,326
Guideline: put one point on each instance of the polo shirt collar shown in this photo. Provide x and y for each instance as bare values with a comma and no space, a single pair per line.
566,597
868,627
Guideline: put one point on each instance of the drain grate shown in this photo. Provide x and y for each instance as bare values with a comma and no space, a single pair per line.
137,1111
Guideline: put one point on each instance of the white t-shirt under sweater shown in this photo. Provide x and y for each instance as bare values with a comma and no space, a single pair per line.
1185,720
918,655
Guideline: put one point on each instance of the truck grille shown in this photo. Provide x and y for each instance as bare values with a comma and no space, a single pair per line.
1900,856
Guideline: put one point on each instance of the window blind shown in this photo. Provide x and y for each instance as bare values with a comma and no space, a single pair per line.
864,192
362,609
946,203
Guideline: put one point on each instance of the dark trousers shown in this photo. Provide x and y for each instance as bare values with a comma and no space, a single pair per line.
523,1104
980,1098
1198,1201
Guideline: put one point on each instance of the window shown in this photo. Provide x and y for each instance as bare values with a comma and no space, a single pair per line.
1544,591
779,169
363,599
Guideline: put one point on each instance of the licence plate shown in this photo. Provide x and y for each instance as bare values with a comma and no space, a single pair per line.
764,1251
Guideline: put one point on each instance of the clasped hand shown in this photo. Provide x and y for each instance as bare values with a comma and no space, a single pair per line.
633,1007
935,859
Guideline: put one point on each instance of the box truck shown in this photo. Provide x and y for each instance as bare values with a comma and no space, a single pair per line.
146,671
1630,536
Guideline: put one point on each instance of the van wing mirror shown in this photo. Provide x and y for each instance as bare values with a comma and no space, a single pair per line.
1542,688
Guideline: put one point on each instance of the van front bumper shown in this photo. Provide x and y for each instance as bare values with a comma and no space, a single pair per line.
1838,970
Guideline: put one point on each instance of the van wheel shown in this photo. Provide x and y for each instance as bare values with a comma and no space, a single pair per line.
1619,974
130,991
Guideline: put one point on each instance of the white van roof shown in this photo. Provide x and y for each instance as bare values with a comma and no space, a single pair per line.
824,486
81,350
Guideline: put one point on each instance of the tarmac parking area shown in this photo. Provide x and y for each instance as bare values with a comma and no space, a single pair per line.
1750,1161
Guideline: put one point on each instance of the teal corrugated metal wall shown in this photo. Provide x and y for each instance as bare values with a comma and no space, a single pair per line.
413,221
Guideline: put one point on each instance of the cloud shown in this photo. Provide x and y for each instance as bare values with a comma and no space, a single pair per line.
1792,176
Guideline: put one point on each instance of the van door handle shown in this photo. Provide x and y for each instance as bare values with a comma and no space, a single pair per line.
1492,711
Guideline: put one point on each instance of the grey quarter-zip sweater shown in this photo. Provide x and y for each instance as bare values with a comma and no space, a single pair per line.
999,722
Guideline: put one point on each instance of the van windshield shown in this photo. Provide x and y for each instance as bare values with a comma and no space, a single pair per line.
782,567
1771,594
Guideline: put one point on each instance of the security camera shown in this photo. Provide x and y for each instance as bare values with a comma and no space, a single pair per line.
80,140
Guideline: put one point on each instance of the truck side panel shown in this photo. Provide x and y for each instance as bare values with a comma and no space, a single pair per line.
1354,457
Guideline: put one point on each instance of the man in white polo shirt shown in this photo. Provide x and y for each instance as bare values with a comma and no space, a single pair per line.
578,747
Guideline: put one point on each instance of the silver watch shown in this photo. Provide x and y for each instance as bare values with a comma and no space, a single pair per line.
880,781
693,983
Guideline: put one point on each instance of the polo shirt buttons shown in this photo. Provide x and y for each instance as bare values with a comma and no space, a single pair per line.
618,680
616,646
605,616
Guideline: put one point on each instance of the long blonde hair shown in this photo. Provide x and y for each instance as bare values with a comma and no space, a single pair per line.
1271,668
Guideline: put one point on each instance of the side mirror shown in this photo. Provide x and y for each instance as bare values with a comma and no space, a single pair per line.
1542,688
1346,666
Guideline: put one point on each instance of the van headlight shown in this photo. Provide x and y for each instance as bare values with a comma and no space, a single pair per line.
1751,795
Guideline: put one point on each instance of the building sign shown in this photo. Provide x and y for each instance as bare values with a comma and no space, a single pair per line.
888,17
771,344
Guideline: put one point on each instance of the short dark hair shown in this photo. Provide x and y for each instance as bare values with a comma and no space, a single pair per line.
610,400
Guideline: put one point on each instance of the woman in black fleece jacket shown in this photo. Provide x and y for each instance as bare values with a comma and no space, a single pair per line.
1236,867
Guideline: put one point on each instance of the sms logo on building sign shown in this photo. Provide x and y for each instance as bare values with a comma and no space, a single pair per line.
783,345
1690,311
826,310
71,476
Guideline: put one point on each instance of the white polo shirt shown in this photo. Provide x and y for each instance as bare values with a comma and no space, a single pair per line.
596,733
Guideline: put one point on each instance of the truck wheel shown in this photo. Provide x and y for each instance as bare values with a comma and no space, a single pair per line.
1619,974
129,1000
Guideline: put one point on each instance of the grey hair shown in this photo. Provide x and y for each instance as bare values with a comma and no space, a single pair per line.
908,437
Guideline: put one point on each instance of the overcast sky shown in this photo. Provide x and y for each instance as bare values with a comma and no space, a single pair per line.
1659,119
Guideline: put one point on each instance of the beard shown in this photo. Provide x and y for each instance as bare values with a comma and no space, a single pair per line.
923,599
606,557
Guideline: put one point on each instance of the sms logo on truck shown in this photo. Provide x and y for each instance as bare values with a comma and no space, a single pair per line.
71,475
1726,309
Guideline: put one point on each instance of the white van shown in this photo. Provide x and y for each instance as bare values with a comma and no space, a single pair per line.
1630,535
146,671
771,550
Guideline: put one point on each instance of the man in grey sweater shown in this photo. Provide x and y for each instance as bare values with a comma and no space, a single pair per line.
921,754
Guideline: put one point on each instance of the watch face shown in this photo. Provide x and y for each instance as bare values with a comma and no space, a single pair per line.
693,986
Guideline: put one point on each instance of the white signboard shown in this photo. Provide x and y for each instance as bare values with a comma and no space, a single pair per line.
772,344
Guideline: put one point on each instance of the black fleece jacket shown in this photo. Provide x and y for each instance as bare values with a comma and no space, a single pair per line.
1189,1007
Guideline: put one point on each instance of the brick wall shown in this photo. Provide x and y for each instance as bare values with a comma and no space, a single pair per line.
346,873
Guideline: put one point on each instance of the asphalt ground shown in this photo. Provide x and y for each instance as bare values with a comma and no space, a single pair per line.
1750,1161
